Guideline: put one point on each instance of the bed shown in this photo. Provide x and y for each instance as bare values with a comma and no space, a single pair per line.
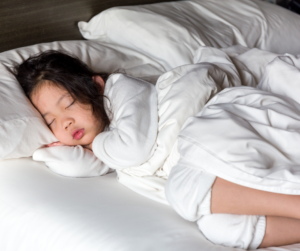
41,210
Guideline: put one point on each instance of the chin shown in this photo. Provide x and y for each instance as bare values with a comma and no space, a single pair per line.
76,142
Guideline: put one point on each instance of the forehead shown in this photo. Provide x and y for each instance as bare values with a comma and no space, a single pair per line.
47,94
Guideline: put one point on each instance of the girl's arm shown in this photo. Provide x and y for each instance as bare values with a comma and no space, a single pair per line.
131,139
71,161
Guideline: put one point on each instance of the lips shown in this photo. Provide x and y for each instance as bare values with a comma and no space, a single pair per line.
78,134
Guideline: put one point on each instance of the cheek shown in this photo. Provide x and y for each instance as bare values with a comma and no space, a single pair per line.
61,136
86,116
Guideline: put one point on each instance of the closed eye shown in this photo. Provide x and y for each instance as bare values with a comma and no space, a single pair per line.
71,104
50,123
66,108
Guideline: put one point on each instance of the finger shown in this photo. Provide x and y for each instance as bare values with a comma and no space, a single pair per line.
58,143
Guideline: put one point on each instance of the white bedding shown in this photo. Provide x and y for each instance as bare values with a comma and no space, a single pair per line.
250,136
193,85
182,93
40,210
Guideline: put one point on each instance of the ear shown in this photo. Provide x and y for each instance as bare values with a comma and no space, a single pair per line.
98,80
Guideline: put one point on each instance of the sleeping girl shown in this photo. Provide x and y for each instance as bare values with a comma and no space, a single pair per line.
231,167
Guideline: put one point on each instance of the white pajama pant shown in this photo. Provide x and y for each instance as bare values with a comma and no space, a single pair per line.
188,190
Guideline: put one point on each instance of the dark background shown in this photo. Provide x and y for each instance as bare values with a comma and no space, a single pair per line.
27,22
293,5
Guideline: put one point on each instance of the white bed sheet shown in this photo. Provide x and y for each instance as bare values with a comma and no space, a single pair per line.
44,211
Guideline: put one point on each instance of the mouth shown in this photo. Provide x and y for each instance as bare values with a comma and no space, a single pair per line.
78,134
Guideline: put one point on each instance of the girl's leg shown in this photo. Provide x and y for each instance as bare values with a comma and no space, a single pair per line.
281,231
230,198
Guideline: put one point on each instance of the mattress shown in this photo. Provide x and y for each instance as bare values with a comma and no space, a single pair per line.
40,210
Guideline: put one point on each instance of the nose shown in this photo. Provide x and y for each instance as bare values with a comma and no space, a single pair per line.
67,124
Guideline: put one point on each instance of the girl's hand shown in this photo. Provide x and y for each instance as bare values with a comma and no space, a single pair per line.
58,143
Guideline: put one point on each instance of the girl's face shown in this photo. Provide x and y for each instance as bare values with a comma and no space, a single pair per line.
72,123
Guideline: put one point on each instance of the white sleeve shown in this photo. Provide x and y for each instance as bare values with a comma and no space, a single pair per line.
133,130
71,161
231,230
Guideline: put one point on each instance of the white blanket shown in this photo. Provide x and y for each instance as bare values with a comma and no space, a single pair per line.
251,136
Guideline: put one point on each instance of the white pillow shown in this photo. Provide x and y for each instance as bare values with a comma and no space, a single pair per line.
171,32
22,129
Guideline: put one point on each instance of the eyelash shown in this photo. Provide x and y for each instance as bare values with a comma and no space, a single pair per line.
71,103
50,123
66,108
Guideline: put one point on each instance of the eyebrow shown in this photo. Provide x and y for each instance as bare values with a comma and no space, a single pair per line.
57,103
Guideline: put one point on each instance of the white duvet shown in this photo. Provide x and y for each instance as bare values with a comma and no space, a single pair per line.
251,136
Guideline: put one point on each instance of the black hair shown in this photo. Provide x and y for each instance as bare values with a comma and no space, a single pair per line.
64,71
